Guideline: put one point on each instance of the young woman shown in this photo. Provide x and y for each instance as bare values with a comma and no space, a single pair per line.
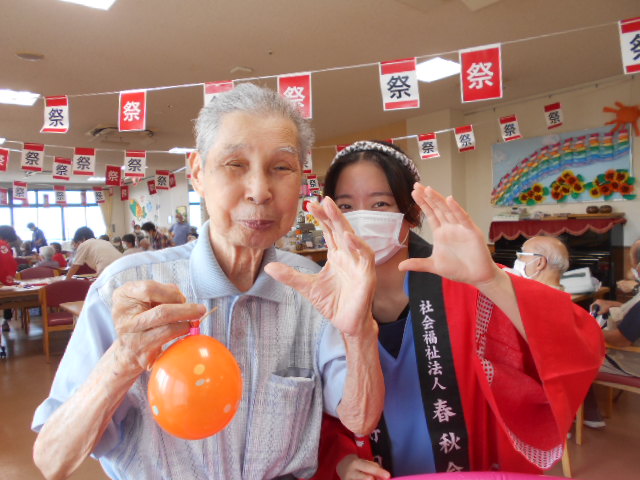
478,375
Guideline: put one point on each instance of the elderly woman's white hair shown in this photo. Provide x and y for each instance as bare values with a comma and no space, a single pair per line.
249,98
47,252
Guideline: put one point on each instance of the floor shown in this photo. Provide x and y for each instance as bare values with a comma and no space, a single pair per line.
25,378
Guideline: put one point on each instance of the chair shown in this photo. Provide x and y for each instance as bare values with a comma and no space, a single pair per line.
85,270
54,320
36,272
611,381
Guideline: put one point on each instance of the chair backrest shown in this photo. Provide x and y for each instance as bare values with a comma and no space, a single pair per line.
36,272
85,270
65,291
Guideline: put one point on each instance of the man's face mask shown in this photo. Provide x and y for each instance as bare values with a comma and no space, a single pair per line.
380,230
520,265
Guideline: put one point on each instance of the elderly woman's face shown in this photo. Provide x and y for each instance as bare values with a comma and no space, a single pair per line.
251,180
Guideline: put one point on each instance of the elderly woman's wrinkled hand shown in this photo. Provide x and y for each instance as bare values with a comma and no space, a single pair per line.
343,290
148,314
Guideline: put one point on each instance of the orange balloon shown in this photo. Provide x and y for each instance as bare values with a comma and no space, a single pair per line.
195,387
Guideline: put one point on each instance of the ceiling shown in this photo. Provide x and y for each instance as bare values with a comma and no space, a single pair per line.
149,43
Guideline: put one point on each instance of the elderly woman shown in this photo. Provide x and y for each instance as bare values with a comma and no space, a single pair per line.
305,345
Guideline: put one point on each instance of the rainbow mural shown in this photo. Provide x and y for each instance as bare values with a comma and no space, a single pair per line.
570,167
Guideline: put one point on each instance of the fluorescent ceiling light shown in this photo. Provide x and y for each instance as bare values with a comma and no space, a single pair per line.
18,98
96,179
181,150
99,4
436,68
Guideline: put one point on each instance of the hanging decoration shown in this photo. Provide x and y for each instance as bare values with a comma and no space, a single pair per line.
172,180
135,163
307,165
61,194
297,88
99,193
465,138
428,146
4,159
61,168
162,179
213,89
56,115
399,84
84,161
553,115
151,185
20,190
32,157
124,193
133,111
630,44
113,175
4,196
481,73
509,128
624,115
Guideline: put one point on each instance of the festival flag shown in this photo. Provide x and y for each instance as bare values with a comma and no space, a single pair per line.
399,84
465,139
134,163
45,200
428,146
312,183
481,73
124,193
509,128
84,161
61,168
113,175
151,185
162,179
213,89
307,166
630,44
20,190
99,193
172,180
32,157
133,111
4,196
4,159
297,88
553,115
187,165
56,115
61,194
83,198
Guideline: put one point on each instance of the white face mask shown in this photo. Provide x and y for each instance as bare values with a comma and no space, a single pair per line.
520,267
380,230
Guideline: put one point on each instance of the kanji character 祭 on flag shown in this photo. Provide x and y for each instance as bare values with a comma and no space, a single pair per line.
172,180
135,163
113,175
481,73
630,44
32,157
465,139
124,193
61,194
151,185
428,145
297,88
307,166
509,128
56,115
84,161
61,168
4,196
399,84
553,115
211,89
133,111
19,190
4,159
99,194
162,179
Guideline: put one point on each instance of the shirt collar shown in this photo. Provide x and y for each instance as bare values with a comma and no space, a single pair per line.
209,281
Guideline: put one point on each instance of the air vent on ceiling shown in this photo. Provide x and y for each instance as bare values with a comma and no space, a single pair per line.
111,135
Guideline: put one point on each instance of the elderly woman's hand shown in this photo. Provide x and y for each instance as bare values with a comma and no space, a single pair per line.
343,290
148,314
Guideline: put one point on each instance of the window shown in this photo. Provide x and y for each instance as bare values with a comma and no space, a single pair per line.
195,213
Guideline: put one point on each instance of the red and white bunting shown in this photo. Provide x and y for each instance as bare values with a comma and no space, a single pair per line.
56,115
32,157
20,190
341,147
481,73
465,138
162,179
124,193
45,198
132,115
399,84
553,115
187,165
5,155
509,128
83,197
99,193
61,194
307,166
297,88
4,196
113,175
172,180
630,44
428,146
84,161
151,185
135,163
61,168
213,89
312,183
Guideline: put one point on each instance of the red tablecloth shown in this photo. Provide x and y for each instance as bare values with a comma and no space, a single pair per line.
478,476
531,228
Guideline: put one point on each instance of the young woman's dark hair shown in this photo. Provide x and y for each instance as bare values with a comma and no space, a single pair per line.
399,176
82,234
8,234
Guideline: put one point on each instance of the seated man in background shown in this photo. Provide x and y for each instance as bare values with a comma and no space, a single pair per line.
129,243
544,259
46,255
96,253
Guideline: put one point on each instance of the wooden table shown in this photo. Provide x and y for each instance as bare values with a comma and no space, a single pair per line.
75,308
24,296
588,298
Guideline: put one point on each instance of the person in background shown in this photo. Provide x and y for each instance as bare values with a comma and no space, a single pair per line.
59,256
158,240
38,239
139,234
46,256
104,237
8,266
96,253
180,230
129,243
145,244
117,242
474,380
544,259
192,236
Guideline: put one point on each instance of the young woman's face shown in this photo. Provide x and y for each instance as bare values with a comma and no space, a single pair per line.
364,186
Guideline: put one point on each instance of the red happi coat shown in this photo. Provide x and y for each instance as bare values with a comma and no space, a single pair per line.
519,397
8,264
